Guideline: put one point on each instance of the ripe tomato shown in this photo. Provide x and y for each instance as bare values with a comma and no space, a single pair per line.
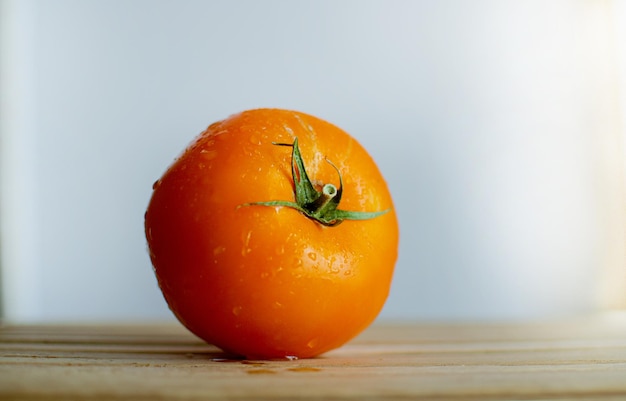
245,239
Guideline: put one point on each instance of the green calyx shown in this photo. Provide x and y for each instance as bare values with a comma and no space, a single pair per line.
319,205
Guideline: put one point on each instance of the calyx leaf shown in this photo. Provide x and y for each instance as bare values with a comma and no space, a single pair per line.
319,205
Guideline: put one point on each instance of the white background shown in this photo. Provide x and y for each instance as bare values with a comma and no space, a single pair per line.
498,125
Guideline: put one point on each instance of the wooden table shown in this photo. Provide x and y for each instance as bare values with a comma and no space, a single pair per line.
575,359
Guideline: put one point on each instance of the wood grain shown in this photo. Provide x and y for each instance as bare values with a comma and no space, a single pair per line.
577,359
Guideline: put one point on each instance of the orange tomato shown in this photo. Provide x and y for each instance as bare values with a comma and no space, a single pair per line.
245,239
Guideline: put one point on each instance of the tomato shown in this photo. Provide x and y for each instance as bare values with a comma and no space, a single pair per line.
273,235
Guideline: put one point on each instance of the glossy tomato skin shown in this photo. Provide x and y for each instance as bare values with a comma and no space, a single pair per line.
269,282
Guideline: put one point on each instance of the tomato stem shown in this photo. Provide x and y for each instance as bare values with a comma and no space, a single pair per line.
325,202
320,206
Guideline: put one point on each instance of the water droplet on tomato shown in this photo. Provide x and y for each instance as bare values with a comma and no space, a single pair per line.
334,269
237,310
246,244
312,343
208,154
255,139
288,129
220,134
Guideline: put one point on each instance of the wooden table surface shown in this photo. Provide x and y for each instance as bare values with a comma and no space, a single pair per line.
574,359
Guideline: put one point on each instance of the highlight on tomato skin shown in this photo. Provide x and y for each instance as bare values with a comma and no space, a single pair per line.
273,235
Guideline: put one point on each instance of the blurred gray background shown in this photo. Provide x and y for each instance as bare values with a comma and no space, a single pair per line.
498,125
